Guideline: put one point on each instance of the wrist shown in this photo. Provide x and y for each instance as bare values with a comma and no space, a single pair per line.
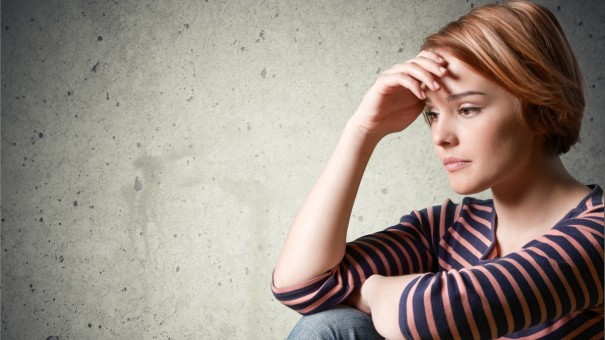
368,290
361,133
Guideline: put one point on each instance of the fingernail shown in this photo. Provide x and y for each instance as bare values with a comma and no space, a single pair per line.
436,85
442,69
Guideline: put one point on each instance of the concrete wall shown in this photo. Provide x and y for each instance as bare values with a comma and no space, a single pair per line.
154,152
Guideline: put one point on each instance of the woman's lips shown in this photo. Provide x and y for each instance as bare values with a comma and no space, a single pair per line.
454,164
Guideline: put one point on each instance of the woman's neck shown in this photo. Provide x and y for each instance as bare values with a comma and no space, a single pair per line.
533,205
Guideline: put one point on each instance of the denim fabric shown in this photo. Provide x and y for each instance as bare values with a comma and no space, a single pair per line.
340,323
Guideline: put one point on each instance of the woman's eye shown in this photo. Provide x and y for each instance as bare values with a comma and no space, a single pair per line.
468,111
431,116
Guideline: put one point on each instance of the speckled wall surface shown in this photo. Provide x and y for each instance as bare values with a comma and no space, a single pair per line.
155,152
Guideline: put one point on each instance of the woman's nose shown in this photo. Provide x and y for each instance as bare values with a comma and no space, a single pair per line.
443,131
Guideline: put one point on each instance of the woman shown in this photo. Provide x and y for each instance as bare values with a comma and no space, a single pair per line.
502,93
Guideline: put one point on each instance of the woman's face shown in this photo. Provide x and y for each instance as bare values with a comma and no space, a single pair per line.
477,134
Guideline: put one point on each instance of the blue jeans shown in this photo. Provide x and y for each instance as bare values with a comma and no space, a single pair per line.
339,323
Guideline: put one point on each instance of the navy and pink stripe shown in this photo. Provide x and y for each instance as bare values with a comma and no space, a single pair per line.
552,288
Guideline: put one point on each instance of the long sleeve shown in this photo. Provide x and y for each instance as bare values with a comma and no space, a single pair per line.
552,288
405,248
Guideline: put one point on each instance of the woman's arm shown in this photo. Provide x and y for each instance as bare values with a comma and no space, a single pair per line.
547,283
399,253
405,248
316,241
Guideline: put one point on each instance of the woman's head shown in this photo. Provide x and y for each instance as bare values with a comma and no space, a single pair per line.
521,47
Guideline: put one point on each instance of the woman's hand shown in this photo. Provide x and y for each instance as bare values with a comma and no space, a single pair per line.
379,296
397,97
358,301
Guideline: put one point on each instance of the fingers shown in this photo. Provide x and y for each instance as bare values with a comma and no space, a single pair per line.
420,73
393,82
430,61
432,55
413,85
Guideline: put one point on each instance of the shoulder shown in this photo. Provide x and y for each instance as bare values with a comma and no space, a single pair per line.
590,207
580,232
587,217
592,203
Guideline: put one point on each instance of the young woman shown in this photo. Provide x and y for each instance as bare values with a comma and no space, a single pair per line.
503,95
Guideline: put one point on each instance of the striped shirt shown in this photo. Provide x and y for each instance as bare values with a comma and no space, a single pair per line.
551,288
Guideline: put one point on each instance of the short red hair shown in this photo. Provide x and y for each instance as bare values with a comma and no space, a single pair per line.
521,47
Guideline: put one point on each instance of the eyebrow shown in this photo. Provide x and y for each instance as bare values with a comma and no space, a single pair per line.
457,96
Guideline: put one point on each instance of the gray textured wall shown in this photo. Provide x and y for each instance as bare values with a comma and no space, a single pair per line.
155,152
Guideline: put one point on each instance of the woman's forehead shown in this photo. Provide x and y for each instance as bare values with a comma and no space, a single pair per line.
460,78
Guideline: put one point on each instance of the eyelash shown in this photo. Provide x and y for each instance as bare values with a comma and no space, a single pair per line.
464,111
470,110
430,116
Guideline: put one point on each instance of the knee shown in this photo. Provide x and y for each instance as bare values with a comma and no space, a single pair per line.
342,322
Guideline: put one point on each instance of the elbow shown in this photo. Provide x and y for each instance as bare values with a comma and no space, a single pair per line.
311,296
277,280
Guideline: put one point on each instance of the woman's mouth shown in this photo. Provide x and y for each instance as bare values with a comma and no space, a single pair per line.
453,164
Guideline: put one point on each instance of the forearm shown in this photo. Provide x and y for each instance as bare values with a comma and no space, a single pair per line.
317,237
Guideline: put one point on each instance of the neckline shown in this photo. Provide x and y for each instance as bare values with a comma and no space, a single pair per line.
491,253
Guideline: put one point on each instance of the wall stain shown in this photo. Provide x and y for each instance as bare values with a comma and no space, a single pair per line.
94,67
138,185
146,196
143,205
